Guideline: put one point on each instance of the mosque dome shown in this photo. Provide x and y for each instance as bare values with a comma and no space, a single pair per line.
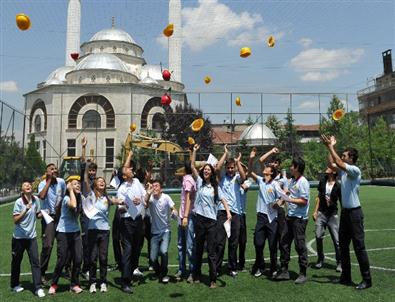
149,81
112,34
101,61
258,134
58,76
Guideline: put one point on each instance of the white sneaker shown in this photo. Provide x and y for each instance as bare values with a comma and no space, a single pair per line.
165,279
137,273
40,293
92,288
17,289
103,288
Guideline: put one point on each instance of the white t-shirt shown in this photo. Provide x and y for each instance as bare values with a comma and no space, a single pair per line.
160,210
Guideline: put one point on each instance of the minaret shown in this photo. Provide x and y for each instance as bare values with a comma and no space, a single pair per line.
175,41
73,30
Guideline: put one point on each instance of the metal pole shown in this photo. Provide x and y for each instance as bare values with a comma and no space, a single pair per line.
231,118
1,118
370,148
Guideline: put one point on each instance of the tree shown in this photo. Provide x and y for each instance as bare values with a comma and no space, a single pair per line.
274,124
179,129
289,139
328,125
11,165
33,164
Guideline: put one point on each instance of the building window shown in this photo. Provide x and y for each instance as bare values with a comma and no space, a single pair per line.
37,123
158,122
114,48
38,145
71,147
109,153
93,78
101,48
44,150
91,119
108,79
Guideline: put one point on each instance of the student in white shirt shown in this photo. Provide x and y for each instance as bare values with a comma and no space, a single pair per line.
161,206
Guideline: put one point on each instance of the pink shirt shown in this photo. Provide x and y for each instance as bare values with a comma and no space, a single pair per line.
188,185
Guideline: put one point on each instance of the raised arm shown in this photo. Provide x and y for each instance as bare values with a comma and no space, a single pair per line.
147,196
222,159
267,154
195,172
250,162
72,204
126,164
240,168
330,143
43,193
87,186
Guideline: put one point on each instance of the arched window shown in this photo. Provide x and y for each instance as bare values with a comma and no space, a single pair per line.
37,123
91,119
158,122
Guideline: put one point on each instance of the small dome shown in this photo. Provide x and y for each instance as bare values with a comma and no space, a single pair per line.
149,81
153,71
58,76
113,34
101,61
258,134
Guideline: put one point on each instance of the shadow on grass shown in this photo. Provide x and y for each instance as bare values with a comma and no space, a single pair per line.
327,279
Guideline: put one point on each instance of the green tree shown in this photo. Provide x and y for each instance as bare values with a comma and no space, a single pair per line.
328,125
11,165
34,165
289,140
274,124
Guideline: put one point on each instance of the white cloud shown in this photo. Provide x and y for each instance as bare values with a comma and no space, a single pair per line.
8,86
318,64
305,42
308,105
211,21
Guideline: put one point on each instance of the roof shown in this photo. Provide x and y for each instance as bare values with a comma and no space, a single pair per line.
101,61
315,127
113,34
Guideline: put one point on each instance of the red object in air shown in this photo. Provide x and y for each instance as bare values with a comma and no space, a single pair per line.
165,99
75,56
166,75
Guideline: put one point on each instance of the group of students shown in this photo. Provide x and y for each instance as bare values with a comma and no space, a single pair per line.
212,211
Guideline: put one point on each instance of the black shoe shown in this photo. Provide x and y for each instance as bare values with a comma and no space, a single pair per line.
364,285
127,289
344,281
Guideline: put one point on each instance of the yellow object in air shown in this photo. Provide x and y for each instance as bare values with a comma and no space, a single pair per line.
191,141
207,79
197,125
238,101
23,21
169,30
245,52
133,127
338,114
271,41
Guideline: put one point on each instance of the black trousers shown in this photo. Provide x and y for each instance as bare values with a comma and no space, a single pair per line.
49,233
352,228
68,242
294,229
84,221
116,237
280,228
205,231
130,240
233,240
265,230
19,246
146,233
242,241
98,246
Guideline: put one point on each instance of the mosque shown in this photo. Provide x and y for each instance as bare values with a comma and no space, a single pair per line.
105,85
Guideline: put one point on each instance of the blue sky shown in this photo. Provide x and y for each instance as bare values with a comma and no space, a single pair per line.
322,46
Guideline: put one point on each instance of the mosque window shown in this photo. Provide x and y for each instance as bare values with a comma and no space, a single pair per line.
101,48
93,78
114,48
37,123
79,79
121,80
126,50
39,104
91,119
108,79
71,147
158,122
44,150
109,153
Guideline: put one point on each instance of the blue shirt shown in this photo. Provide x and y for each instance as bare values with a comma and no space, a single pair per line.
68,221
349,184
299,188
26,227
54,195
230,187
100,220
205,204
268,194
160,210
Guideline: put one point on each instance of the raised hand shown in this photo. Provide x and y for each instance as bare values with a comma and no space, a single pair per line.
196,147
253,152
226,150
275,150
84,141
238,157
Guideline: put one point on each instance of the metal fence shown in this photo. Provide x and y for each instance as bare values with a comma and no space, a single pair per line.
228,119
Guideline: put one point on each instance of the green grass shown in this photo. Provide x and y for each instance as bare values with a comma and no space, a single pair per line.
379,209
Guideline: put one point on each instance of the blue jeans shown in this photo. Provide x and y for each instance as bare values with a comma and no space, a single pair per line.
159,246
186,239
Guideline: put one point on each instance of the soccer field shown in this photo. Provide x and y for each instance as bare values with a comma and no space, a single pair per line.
379,209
